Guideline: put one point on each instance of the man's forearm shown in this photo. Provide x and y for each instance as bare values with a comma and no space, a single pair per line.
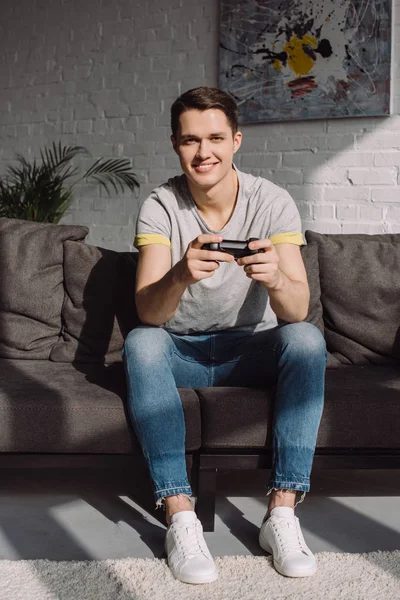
290,299
158,302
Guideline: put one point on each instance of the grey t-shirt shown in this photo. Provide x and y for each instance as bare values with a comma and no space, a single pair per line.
228,300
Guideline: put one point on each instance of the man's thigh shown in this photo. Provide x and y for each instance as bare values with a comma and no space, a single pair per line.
231,358
246,360
190,360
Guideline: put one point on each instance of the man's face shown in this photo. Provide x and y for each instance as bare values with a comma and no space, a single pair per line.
205,145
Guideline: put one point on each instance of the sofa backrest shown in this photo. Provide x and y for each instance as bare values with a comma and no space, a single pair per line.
31,285
309,255
64,300
359,296
99,307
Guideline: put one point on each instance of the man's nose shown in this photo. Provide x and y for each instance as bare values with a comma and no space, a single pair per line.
204,149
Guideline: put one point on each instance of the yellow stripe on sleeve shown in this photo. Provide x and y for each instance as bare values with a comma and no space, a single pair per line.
288,238
144,239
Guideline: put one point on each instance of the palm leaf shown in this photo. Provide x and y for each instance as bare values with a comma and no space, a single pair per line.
59,155
113,171
9,200
38,192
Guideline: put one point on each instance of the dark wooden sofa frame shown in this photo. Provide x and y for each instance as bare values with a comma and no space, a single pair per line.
208,465
204,466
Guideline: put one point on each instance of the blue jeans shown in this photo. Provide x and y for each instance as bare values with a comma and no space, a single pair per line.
291,356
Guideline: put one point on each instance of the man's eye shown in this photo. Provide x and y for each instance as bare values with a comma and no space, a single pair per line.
189,141
217,138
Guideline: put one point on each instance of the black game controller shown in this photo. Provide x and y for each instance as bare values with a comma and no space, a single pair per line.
237,248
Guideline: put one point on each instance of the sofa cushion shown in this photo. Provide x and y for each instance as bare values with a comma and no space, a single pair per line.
56,407
309,255
235,417
99,308
360,295
362,410
31,292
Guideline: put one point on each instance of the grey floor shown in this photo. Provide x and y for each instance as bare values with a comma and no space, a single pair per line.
81,515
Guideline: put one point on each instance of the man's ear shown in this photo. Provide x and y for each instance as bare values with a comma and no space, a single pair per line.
174,145
237,140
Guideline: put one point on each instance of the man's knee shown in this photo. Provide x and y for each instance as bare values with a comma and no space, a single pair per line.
146,344
305,339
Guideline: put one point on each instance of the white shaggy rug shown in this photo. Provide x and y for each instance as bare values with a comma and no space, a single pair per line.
370,576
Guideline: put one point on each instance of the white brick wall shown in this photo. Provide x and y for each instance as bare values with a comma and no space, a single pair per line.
103,74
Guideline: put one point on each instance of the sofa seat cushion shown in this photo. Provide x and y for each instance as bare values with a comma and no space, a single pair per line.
235,417
99,308
32,291
56,407
362,410
362,407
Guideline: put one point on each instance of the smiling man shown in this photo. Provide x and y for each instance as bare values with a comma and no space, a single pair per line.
209,320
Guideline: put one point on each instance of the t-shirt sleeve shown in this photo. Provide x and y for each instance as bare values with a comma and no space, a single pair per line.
153,225
285,227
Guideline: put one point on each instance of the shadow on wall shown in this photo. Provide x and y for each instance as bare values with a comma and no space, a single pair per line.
342,174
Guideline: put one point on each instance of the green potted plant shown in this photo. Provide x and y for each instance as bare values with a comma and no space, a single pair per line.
43,192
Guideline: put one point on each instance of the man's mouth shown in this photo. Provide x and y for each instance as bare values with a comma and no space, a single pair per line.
204,168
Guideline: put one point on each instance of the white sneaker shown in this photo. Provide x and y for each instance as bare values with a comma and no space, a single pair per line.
281,536
188,556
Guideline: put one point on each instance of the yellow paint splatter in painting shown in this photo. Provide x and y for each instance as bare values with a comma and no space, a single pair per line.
300,62
277,64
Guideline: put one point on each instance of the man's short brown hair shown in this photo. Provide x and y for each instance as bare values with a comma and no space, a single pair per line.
204,98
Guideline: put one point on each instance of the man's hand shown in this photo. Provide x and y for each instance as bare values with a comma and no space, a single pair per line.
263,266
198,264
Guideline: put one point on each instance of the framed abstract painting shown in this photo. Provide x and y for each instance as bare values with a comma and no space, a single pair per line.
306,59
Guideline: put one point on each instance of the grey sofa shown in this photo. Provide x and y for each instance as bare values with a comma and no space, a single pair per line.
66,306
